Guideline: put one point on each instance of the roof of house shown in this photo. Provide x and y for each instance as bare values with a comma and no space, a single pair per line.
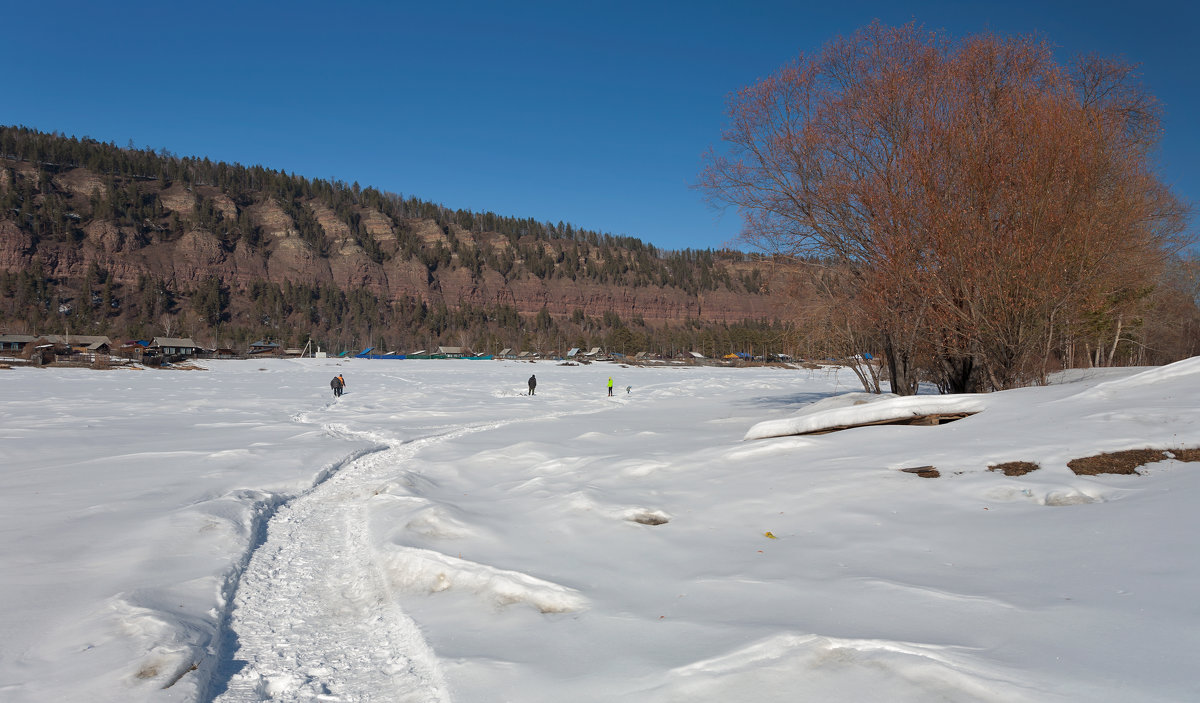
451,350
78,340
262,343
16,338
173,342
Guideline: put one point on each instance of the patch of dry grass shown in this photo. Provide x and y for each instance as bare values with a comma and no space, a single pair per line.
1126,462
1015,468
1192,454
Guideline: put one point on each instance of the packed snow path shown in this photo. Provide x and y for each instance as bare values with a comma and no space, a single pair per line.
314,618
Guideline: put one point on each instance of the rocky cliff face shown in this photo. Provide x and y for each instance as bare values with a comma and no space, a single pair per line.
192,254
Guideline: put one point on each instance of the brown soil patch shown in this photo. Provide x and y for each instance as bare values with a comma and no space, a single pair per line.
1015,468
1126,462
1192,454
923,471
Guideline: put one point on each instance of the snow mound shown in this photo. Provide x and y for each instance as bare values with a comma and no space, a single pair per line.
1171,373
863,408
1050,496
814,667
170,644
427,571
435,521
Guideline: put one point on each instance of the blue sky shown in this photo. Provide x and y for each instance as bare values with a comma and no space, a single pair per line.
591,113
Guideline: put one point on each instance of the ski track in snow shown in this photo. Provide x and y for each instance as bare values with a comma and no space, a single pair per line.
314,618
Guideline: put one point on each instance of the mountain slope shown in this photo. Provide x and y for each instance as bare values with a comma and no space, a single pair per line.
97,237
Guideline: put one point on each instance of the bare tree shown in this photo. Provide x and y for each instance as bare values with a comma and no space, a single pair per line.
979,194
168,323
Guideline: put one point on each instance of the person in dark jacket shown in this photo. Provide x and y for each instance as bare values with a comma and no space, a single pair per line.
532,384
337,384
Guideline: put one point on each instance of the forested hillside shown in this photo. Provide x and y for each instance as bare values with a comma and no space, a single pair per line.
133,243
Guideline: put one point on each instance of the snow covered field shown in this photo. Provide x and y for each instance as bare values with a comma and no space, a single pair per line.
237,534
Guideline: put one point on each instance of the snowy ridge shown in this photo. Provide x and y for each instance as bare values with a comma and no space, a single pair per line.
1175,373
834,668
427,571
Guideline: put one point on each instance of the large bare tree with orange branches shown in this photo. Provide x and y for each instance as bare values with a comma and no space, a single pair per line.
983,196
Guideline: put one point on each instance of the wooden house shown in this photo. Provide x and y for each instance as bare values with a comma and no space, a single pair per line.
261,347
14,344
174,348
81,343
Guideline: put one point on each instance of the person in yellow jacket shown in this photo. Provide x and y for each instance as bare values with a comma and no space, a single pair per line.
610,385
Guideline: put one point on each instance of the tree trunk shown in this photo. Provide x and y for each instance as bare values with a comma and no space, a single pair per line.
957,374
1116,340
900,368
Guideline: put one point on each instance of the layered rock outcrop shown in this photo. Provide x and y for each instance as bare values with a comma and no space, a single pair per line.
281,252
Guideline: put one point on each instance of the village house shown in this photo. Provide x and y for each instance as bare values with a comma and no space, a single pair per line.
80,343
263,347
174,348
14,344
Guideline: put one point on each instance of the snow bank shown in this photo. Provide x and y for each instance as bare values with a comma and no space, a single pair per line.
865,408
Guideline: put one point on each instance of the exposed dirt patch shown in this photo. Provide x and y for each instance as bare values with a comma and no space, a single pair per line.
1015,468
1126,462
1192,454
923,471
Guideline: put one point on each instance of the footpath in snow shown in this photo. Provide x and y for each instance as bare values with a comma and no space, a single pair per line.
316,615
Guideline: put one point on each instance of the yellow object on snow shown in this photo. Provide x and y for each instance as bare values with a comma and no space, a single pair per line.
769,535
